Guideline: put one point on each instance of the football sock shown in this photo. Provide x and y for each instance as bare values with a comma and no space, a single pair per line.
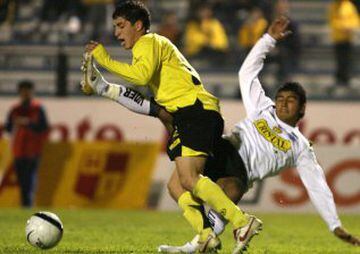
125,96
214,196
194,213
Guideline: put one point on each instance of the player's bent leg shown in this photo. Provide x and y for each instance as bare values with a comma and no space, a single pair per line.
232,187
174,187
189,169
189,173
194,213
213,195
191,206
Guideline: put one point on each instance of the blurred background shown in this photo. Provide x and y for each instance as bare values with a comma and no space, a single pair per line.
43,40
100,155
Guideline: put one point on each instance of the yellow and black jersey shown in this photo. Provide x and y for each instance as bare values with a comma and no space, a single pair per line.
160,65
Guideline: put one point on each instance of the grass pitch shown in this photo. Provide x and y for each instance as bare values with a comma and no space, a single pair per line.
118,231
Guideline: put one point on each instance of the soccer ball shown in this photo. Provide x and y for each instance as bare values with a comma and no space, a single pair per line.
44,230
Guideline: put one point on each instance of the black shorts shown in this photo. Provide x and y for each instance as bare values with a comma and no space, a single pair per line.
196,132
226,162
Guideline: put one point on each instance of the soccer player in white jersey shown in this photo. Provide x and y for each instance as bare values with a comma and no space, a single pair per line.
267,141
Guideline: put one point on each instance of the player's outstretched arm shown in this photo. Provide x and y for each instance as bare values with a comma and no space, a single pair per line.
252,93
139,73
320,195
341,233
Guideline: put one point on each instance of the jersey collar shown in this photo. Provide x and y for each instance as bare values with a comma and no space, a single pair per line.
285,126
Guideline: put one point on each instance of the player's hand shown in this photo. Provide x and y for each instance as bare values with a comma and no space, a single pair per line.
90,46
346,236
167,119
278,28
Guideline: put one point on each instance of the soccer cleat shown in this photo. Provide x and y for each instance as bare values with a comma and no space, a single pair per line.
244,234
89,75
211,245
189,247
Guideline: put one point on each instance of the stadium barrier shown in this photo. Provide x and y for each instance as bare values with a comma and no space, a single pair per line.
332,126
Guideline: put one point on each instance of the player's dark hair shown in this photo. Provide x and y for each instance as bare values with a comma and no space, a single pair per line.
297,89
25,84
133,11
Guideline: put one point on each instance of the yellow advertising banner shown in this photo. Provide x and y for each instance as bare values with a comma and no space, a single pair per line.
9,191
91,174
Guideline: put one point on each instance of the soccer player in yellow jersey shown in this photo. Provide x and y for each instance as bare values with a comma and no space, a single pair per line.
197,123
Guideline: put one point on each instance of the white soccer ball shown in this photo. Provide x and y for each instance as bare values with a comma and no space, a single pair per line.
44,230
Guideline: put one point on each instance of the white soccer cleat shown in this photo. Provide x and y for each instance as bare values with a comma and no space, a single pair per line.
189,247
91,81
211,245
244,234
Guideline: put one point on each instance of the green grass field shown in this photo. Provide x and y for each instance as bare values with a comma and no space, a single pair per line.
113,231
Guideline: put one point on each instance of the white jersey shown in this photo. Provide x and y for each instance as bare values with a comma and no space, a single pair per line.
267,145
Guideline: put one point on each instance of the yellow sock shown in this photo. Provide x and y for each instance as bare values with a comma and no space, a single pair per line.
193,213
214,196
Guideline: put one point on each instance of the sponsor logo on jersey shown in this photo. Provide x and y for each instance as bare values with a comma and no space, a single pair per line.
272,135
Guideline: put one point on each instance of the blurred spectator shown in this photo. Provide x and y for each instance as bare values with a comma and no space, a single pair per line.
169,27
7,11
7,18
357,4
232,13
50,14
205,36
343,20
289,49
252,29
59,18
28,125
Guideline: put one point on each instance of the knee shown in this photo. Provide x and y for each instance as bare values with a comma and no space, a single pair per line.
171,189
187,182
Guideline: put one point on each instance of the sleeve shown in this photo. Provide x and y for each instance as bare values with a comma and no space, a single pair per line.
146,61
42,124
252,93
319,192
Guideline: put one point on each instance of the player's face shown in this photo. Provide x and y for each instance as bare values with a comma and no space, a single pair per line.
288,107
25,94
126,33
